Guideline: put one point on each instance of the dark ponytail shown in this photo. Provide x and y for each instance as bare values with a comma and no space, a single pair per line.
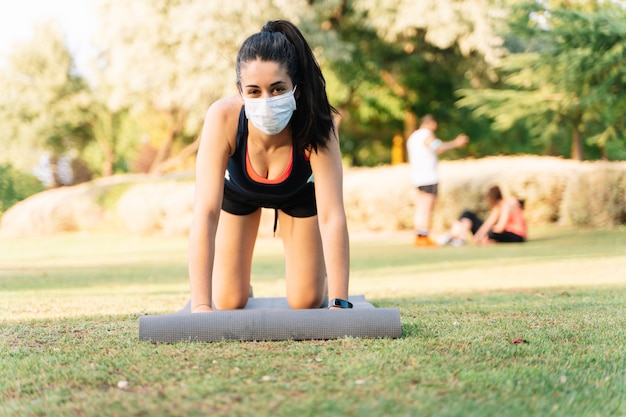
281,41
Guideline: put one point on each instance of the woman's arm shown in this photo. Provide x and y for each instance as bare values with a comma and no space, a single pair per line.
505,213
328,173
481,235
215,148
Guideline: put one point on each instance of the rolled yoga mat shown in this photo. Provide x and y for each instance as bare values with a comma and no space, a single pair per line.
272,319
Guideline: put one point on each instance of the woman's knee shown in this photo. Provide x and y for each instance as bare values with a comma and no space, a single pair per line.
305,300
305,292
230,301
230,294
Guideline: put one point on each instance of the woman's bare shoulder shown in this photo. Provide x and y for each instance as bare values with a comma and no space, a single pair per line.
221,123
222,118
226,107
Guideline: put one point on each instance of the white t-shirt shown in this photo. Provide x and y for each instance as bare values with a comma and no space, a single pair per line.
423,159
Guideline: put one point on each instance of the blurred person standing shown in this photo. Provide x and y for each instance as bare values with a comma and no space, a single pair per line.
423,149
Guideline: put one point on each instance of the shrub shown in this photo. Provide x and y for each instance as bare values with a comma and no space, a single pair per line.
595,196
381,199
555,190
16,186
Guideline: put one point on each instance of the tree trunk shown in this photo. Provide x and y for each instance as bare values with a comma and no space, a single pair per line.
410,119
185,153
104,133
109,160
577,145
54,172
176,119
410,126
163,153
410,123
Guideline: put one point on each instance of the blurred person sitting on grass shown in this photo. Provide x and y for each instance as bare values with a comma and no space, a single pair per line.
505,223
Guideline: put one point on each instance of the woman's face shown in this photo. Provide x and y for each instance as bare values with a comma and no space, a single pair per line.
264,79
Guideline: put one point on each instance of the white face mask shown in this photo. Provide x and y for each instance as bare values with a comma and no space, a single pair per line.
271,115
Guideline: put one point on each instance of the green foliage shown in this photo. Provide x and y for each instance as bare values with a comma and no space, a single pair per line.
161,64
16,186
43,105
567,85
117,140
169,60
406,68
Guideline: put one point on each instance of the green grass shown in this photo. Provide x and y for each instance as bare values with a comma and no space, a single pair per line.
71,303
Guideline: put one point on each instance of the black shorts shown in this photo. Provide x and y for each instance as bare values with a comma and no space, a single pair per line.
506,237
301,204
473,218
429,189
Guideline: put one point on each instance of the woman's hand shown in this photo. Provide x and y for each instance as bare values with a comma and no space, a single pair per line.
203,308
480,240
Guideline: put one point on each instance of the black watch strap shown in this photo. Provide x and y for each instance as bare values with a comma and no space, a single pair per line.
338,302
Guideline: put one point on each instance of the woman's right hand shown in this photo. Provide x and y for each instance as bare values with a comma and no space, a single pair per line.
202,309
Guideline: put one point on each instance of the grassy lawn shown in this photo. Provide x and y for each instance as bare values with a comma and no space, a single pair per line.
71,303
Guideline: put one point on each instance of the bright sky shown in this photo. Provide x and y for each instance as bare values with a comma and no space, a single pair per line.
76,18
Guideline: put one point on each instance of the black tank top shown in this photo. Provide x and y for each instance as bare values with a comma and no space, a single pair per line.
238,181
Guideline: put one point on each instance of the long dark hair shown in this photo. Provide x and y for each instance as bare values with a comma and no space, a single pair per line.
494,195
282,42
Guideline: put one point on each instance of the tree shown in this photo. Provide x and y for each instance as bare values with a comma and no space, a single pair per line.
572,75
406,59
112,144
168,60
44,104
470,24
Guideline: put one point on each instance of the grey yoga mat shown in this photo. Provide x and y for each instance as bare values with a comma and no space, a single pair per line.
272,319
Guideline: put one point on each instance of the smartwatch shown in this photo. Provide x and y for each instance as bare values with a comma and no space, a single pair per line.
338,302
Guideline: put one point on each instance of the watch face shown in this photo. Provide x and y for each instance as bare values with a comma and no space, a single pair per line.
336,302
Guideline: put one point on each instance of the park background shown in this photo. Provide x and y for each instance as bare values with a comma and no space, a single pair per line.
96,188
519,77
